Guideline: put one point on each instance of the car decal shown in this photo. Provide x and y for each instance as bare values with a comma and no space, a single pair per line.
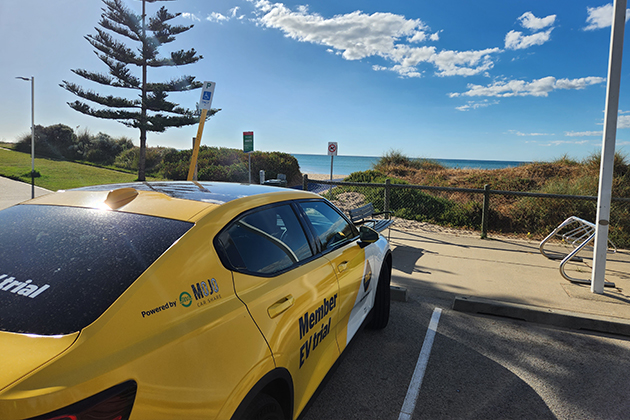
21,288
203,292
367,289
158,309
309,321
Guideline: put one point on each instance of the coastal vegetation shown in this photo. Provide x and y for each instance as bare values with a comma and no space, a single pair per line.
531,216
61,151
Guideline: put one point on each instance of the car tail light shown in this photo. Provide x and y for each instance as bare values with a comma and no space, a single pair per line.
112,404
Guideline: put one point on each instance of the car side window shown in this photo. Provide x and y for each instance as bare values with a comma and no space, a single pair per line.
330,227
266,241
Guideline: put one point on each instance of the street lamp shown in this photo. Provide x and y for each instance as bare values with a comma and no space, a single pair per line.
32,79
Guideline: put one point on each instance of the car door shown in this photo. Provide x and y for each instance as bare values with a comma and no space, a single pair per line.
339,243
289,292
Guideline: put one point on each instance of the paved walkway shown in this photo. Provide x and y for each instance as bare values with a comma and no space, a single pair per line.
510,277
13,192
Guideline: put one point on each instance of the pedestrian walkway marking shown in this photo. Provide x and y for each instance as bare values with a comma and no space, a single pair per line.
409,404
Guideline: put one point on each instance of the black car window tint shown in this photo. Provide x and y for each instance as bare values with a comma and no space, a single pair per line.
331,228
266,241
62,267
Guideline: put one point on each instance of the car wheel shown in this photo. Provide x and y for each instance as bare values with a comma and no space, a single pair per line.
380,311
264,407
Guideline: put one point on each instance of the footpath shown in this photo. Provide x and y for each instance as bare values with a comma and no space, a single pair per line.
495,276
511,278
14,192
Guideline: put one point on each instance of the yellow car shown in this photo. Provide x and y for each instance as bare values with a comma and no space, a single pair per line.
180,300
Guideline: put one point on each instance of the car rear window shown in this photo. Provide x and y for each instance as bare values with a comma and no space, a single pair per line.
62,267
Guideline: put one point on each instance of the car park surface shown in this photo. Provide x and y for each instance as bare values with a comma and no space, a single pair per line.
180,300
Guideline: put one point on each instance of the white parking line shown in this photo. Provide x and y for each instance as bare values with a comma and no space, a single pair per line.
409,404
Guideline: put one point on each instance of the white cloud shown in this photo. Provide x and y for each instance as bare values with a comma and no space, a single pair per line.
529,21
601,17
217,17
463,63
358,35
521,134
233,11
563,142
515,40
476,105
623,121
539,87
191,16
583,133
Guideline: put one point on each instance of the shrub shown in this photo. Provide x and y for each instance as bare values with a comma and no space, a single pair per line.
155,156
224,164
55,141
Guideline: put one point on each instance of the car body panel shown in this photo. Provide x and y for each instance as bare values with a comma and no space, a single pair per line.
194,335
28,352
307,353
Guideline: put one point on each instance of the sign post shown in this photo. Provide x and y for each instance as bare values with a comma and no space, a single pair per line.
332,152
205,103
604,195
248,147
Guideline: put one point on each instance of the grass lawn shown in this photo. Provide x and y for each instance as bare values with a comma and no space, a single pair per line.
58,175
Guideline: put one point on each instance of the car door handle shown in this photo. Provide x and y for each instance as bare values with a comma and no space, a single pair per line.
280,306
342,266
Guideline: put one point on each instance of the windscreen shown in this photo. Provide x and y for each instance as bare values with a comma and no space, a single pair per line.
62,267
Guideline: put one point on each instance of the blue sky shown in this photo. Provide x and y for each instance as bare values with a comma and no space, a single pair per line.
454,79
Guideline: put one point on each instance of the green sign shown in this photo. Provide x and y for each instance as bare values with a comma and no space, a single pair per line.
248,141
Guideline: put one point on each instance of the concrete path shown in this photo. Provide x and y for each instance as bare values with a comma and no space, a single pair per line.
509,277
14,192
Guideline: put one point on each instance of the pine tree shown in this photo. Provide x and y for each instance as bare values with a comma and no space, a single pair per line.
151,111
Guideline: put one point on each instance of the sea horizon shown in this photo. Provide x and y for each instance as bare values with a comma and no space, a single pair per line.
345,165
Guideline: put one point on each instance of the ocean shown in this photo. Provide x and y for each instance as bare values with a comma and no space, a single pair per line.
345,165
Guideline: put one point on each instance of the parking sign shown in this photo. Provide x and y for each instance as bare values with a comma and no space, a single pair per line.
206,95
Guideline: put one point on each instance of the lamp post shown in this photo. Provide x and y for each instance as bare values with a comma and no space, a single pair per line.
32,79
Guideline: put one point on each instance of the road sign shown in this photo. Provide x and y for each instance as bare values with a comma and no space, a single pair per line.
206,95
248,141
332,148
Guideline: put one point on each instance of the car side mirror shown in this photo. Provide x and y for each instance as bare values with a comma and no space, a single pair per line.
367,235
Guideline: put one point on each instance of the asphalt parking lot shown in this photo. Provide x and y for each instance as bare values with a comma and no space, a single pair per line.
479,367
550,354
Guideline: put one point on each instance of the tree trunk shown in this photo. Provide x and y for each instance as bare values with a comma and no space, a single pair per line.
143,114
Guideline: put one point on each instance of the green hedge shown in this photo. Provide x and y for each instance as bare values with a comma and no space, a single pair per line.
231,165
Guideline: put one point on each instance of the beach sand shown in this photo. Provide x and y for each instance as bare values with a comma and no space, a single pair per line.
325,177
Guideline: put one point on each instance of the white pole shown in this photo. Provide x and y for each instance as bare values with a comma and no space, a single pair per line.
32,136
608,148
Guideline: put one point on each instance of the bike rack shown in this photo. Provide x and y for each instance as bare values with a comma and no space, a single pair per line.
581,232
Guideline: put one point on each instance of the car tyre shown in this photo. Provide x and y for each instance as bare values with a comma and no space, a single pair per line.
380,311
264,407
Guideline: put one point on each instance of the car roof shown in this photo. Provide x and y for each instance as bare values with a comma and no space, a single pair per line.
207,192
183,200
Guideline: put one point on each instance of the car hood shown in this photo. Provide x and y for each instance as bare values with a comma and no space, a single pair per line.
23,353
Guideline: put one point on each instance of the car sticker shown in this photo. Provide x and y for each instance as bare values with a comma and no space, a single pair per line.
203,293
309,321
21,288
158,309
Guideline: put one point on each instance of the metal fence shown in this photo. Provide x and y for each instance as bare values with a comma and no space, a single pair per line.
532,215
